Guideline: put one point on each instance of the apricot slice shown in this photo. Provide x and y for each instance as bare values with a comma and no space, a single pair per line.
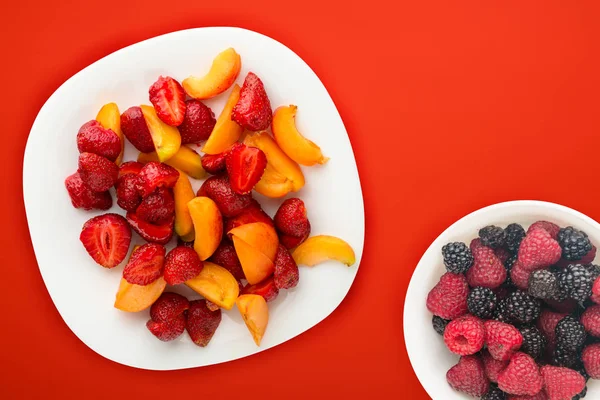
215,284
223,72
183,194
255,313
291,141
317,249
208,226
255,264
226,131
166,138
109,117
273,184
186,160
259,235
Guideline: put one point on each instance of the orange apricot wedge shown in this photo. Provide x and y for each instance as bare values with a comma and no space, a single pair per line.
222,74
183,194
317,249
256,265
273,184
109,117
255,312
166,138
186,160
259,235
216,285
208,226
291,141
226,131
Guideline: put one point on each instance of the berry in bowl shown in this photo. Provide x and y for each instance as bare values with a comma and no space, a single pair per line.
505,304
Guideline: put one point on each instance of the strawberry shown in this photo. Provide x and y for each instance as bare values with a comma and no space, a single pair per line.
286,271
521,376
83,197
218,189
487,270
136,130
167,331
266,289
591,360
154,175
465,335
291,221
198,122
130,167
201,322
245,166
106,238
253,109
492,366
448,299
549,227
226,257
128,197
181,264
502,339
468,376
538,250
253,213
97,172
168,98
561,383
214,163
180,242
168,306
160,234
94,138
158,207
145,265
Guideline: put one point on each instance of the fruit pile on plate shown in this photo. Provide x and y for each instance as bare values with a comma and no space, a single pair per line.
228,250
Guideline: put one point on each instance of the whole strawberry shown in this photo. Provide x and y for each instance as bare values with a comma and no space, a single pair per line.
521,376
145,265
167,331
168,306
85,198
158,207
253,109
538,250
286,271
198,122
502,339
202,322
181,263
94,138
291,221
468,376
135,129
154,175
487,269
448,299
226,257
97,172
591,360
465,335
561,383
214,163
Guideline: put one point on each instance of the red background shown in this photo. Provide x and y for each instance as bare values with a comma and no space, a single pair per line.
450,106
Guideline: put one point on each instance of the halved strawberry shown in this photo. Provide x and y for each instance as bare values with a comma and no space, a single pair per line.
145,265
154,175
267,289
130,167
245,166
214,163
84,197
106,238
160,234
168,98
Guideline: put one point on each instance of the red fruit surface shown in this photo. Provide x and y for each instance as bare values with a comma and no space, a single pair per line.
154,175
286,273
97,172
468,376
250,215
219,190
448,298
520,276
158,207
591,360
547,322
136,130
198,122
128,197
145,265
566,306
267,289
202,322
475,244
168,98
487,270
253,109
94,138
521,376
502,254
85,198
106,238
182,263
538,250
549,227
587,259
465,335
226,257
591,320
492,366
214,163
168,306
160,234
502,339
130,167
596,291
245,166
167,331
291,218
561,383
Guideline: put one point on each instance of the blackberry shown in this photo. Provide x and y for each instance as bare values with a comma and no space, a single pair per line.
581,369
510,261
457,257
522,307
501,311
494,394
543,285
576,281
570,334
574,243
514,234
492,236
581,395
481,302
439,324
563,357
534,343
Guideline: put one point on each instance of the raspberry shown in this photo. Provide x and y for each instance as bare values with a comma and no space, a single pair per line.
492,366
547,324
487,270
543,284
457,257
561,383
563,357
591,320
521,376
540,396
514,235
596,291
520,276
475,244
549,227
576,281
534,342
522,307
570,334
492,236
465,335
481,302
448,299
439,324
591,360
574,243
502,339
494,394
502,254
538,250
468,376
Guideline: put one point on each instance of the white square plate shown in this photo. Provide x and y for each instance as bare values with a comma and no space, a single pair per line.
84,292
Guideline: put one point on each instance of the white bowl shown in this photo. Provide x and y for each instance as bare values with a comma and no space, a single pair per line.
428,355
